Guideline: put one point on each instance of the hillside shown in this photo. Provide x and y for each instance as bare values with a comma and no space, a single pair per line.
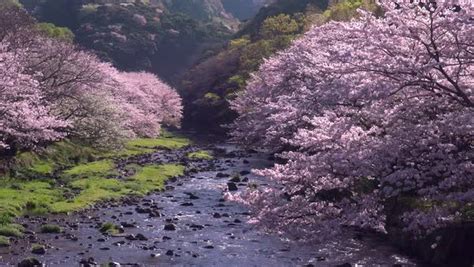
245,9
211,11
164,37
209,85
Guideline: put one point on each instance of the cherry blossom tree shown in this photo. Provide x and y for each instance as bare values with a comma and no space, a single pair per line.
149,102
370,112
24,120
51,90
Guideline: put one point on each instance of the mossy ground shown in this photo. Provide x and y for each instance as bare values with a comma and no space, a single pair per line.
84,176
51,229
201,154
110,228
147,145
4,241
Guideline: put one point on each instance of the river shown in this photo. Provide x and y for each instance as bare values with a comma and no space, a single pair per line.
190,224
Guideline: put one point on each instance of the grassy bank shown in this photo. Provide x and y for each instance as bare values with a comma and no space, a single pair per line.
200,154
67,177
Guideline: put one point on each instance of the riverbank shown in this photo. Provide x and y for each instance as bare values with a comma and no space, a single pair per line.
189,224
66,177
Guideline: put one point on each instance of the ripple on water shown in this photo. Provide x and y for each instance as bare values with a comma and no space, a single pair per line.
200,237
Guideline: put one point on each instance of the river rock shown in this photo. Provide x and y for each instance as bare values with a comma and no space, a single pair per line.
142,210
29,262
235,179
169,227
39,250
128,224
141,237
232,186
131,237
222,175
88,262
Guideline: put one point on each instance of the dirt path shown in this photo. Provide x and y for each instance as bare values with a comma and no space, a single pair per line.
188,225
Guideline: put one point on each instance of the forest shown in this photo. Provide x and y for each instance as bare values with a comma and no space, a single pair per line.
236,133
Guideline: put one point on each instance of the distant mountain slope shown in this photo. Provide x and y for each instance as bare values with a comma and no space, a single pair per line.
208,86
163,36
285,7
202,10
244,9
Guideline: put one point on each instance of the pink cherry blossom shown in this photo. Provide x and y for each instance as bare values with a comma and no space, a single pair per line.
368,112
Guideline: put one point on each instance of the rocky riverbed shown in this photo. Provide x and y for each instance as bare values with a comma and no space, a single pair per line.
189,224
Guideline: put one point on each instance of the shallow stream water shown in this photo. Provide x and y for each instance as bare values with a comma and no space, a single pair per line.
208,230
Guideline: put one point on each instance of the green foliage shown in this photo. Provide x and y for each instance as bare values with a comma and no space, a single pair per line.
207,89
61,33
290,7
50,229
10,3
239,42
88,9
347,9
237,80
281,24
201,154
212,97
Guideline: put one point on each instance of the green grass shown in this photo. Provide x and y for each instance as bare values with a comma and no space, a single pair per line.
152,178
163,142
58,155
148,145
42,167
91,191
95,189
102,167
4,241
110,228
17,197
201,154
86,176
12,230
36,247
